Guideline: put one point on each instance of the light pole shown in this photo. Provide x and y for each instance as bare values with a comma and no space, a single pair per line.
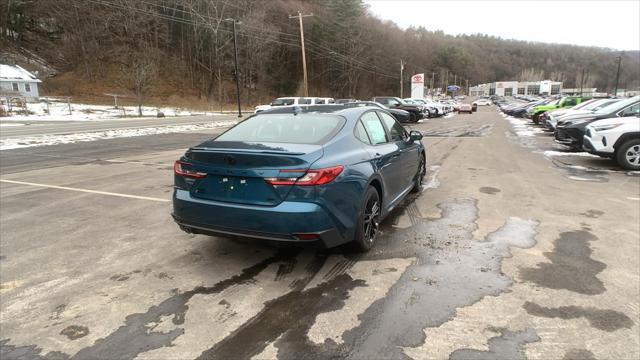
235,57
615,92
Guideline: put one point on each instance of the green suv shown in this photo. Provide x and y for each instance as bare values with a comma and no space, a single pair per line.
564,102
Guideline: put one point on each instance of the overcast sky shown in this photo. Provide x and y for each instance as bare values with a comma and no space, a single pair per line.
612,24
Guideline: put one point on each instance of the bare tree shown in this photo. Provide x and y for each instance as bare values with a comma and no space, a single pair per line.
139,76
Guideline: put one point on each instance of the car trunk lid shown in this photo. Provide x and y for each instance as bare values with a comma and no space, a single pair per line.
236,171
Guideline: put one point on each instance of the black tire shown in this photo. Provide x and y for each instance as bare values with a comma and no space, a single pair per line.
628,154
413,117
368,220
422,171
535,118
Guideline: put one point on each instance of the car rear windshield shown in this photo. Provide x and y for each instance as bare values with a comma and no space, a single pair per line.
286,128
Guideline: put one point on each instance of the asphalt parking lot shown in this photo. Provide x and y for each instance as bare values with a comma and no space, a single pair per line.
514,249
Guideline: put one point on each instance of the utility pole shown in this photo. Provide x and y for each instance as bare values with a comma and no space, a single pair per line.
401,72
581,81
466,86
455,79
304,58
235,57
615,92
433,81
375,81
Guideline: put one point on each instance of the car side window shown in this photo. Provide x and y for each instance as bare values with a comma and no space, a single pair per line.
633,110
374,128
361,133
396,130
571,102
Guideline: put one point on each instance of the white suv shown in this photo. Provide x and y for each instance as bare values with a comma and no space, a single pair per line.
618,138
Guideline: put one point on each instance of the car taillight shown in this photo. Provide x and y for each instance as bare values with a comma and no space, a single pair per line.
179,168
308,177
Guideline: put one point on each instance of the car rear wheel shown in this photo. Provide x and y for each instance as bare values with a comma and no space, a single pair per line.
413,117
368,221
628,154
422,171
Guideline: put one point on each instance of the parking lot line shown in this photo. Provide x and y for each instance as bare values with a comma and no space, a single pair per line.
85,190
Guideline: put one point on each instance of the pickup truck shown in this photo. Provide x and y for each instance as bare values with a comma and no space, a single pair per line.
565,102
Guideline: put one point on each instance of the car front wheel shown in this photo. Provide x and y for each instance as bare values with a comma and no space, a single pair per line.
422,171
368,220
628,154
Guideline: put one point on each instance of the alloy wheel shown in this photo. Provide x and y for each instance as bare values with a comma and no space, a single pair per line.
371,215
421,172
633,155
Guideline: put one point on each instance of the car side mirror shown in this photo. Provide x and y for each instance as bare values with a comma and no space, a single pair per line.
415,135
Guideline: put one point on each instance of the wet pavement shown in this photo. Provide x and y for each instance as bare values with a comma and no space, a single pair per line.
511,251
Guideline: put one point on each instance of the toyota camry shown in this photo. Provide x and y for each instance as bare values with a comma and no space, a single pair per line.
323,175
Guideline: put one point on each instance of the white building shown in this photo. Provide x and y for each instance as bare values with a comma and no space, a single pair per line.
510,88
14,79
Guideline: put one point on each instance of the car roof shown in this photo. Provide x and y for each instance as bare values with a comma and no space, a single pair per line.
337,109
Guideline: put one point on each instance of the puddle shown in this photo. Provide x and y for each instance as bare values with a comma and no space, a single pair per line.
605,320
571,266
509,345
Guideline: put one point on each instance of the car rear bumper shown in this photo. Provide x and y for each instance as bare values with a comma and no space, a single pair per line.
274,223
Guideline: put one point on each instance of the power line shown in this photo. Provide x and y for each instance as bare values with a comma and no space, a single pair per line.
332,56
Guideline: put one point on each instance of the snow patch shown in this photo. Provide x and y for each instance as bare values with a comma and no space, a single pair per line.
8,124
522,127
552,153
59,111
44,140
433,182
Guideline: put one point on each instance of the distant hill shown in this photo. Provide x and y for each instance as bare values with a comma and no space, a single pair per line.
183,48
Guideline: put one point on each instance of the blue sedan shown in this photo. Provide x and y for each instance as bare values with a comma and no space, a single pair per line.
325,174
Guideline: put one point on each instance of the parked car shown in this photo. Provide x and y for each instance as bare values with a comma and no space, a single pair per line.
465,108
437,108
520,110
571,129
324,100
416,112
482,102
618,138
584,108
564,102
326,176
400,115
426,109
291,101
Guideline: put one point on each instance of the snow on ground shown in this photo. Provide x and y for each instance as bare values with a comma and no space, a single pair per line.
552,153
449,115
80,112
7,124
42,140
522,128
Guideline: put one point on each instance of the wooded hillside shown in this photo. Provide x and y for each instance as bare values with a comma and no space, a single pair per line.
184,48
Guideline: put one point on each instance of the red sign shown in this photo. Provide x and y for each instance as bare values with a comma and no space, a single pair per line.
417,78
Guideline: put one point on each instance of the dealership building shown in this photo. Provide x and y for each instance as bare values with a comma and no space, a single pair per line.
510,88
